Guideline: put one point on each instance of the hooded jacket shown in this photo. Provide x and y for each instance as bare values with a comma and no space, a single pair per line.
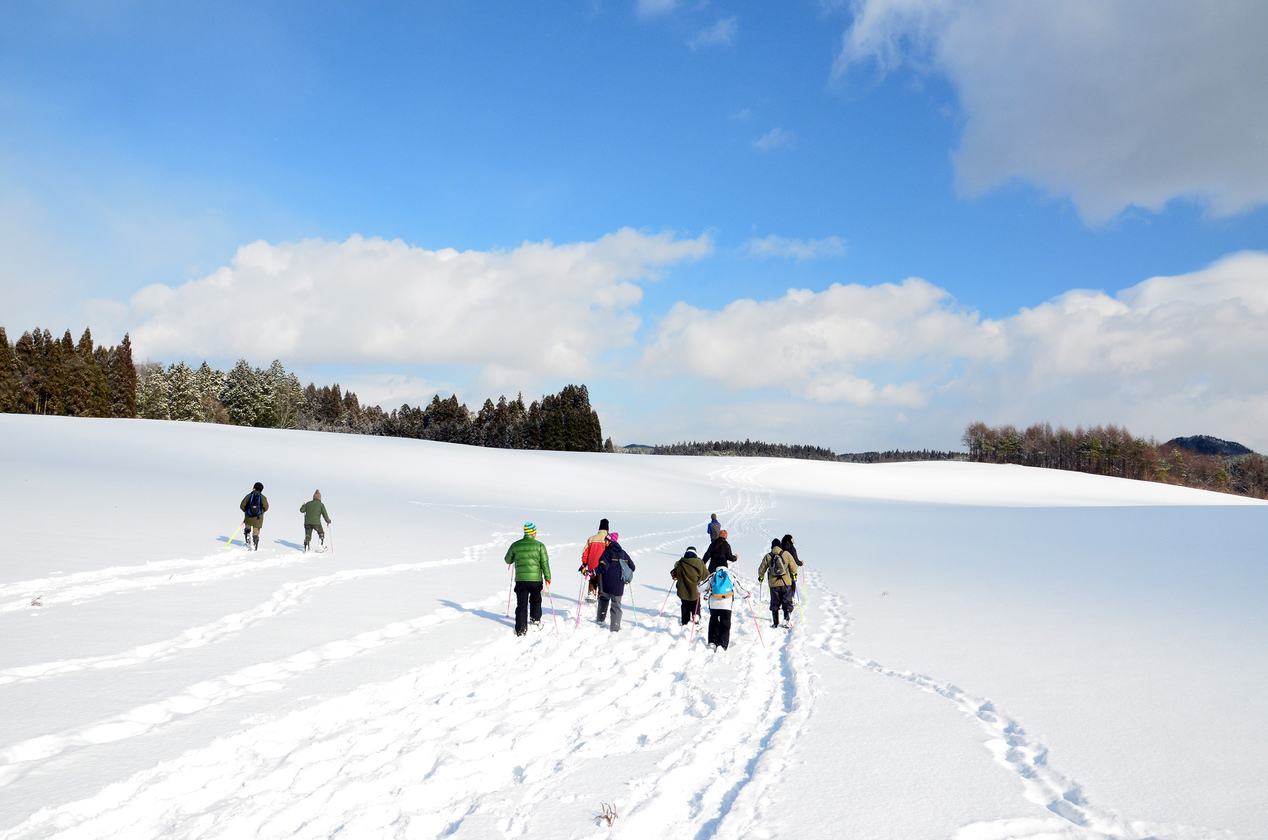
690,572
718,554
609,569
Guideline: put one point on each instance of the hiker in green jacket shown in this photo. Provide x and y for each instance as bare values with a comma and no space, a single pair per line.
313,512
689,572
532,573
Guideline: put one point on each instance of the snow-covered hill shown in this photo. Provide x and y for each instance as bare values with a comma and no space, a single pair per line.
987,652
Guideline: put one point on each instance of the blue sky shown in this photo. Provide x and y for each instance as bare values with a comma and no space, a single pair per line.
1004,154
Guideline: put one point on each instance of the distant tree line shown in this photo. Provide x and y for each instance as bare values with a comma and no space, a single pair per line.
756,448
1112,450
42,375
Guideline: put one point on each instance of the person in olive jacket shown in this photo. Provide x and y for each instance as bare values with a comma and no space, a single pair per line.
532,573
313,512
689,572
254,504
780,567
611,584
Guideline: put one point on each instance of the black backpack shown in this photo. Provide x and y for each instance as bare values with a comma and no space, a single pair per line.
255,505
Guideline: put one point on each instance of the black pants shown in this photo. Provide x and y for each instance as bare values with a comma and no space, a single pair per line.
781,598
689,608
528,594
308,533
720,628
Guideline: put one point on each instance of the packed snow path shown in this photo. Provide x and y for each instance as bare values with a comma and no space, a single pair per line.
436,721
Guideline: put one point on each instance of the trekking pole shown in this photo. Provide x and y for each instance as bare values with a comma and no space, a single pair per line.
509,590
580,595
694,613
553,614
747,599
235,533
632,607
801,610
662,606
331,532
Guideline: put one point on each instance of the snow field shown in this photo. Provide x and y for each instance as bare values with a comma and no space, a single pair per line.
379,692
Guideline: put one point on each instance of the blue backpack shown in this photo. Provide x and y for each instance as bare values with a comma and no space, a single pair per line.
722,587
627,574
255,507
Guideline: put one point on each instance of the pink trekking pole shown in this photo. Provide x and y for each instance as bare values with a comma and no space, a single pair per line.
662,606
580,594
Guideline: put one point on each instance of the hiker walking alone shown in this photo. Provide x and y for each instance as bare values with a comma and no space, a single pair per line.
614,568
532,573
689,572
590,555
714,528
314,511
781,582
254,504
718,555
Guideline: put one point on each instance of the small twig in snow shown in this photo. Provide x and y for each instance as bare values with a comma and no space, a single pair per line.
609,812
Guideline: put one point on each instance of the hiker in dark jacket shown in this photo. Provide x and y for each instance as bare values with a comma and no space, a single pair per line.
787,545
611,584
532,572
254,504
689,572
779,566
718,555
314,511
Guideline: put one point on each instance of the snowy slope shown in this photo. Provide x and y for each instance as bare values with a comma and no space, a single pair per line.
987,652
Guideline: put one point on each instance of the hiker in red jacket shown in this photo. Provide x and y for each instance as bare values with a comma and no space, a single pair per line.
590,555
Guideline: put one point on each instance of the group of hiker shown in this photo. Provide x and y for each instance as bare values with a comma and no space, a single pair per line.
607,568
255,504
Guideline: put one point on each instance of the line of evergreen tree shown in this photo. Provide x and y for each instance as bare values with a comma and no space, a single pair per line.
1113,450
43,375
756,448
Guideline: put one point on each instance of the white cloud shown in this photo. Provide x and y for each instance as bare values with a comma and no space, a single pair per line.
813,343
536,311
721,33
1171,355
655,8
776,138
799,249
1111,102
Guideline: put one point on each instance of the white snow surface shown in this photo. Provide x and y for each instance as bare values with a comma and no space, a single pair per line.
987,652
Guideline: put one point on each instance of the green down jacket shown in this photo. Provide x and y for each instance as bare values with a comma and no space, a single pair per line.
530,559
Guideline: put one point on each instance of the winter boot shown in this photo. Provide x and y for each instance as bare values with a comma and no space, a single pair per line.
256,540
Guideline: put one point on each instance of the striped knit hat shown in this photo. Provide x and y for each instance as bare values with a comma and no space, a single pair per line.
529,528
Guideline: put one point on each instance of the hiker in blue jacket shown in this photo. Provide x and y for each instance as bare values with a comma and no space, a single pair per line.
612,581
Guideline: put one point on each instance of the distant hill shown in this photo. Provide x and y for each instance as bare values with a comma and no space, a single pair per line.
1207,445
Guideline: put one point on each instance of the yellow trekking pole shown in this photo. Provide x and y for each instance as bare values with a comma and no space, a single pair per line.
235,533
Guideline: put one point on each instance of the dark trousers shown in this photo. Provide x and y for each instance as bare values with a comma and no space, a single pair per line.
308,533
689,608
528,595
781,599
720,628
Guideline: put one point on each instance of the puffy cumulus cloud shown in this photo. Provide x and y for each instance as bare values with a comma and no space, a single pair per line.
1111,102
799,249
816,343
1171,355
538,310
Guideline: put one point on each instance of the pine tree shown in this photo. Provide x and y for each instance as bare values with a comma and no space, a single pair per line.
121,375
183,400
153,392
210,383
244,396
285,395
95,375
9,380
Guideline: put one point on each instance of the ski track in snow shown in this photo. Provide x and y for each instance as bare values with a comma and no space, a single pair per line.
286,598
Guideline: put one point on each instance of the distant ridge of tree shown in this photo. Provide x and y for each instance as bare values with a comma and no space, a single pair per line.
755,448
1112,450
1207,445
41,375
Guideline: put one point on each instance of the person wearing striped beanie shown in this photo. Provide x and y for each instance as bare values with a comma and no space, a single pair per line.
532,574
